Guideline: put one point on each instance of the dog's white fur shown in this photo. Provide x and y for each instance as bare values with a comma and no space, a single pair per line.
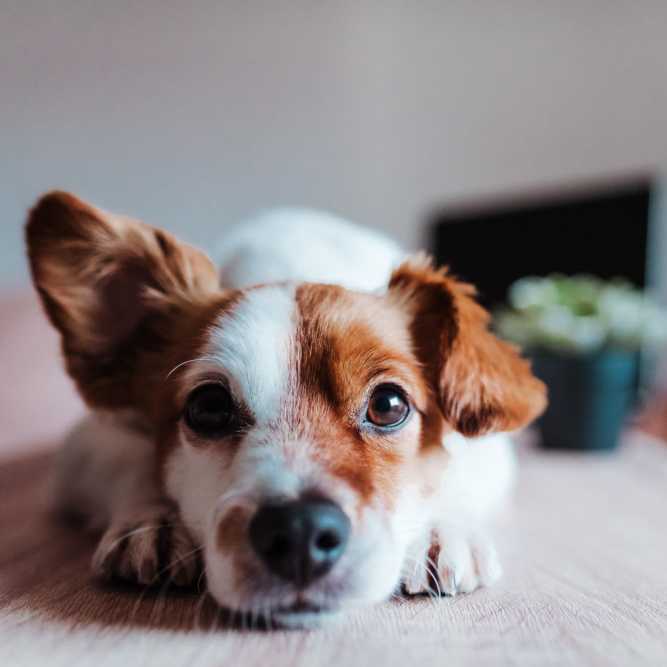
107,465
300,245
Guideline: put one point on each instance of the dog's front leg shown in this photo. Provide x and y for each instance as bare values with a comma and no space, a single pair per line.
457,552
106,476
454,559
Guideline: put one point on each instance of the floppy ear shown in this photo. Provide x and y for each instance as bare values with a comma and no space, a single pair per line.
482,383
106,282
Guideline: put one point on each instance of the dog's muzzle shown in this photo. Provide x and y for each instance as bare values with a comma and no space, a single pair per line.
301,540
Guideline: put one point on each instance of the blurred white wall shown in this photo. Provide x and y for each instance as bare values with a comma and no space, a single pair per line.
192,115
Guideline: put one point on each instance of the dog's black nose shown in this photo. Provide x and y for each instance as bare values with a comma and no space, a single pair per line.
300,540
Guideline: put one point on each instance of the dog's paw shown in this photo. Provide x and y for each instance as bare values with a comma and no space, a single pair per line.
454,561
148,547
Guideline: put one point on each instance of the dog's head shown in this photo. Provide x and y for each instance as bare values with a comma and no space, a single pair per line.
299,426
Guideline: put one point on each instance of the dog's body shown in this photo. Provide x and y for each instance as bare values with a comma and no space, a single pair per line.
307,375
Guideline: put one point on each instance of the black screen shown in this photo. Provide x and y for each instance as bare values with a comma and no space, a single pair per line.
602,233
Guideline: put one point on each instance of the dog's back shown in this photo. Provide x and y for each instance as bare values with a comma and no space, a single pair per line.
302,245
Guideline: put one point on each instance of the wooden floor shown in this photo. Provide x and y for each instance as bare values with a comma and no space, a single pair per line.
585,551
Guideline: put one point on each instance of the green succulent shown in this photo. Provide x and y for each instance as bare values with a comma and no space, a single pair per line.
580,314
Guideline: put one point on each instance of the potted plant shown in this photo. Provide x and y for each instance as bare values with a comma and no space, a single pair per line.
584,336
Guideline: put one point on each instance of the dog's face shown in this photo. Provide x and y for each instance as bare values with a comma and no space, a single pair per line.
299,426
302,416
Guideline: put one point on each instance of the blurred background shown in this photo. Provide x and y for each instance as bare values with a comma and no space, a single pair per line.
511,138
193,115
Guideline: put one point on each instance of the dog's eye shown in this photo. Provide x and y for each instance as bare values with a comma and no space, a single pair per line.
388,407
209,411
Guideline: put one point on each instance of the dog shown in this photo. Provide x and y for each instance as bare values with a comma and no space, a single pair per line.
320,423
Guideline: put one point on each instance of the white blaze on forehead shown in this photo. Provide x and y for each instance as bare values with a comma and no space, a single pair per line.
253,345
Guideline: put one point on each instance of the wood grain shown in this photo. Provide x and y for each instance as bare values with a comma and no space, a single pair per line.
584,545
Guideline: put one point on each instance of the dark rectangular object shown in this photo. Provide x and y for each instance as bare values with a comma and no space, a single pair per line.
603,232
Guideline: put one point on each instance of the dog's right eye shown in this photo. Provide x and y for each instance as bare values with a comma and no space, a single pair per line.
209,411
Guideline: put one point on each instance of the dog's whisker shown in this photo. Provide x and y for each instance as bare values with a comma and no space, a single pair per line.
135,531
200,578
186,363
173,562
434,575
198,610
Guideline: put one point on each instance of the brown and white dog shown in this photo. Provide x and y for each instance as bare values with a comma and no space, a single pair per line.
321,446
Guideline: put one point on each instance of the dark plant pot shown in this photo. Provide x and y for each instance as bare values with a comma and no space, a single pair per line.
589,397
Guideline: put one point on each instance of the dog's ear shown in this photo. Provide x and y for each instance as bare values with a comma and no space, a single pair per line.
482,383
105,282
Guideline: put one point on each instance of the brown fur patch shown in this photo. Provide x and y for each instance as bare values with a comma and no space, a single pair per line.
232,539
131,303
347,344
232,531
114,288
482,383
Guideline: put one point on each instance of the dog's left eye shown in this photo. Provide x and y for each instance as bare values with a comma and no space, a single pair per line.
209,411
388,407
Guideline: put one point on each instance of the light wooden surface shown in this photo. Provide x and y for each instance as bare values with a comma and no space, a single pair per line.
584,546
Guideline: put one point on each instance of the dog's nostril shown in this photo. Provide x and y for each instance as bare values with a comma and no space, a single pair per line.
299,541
